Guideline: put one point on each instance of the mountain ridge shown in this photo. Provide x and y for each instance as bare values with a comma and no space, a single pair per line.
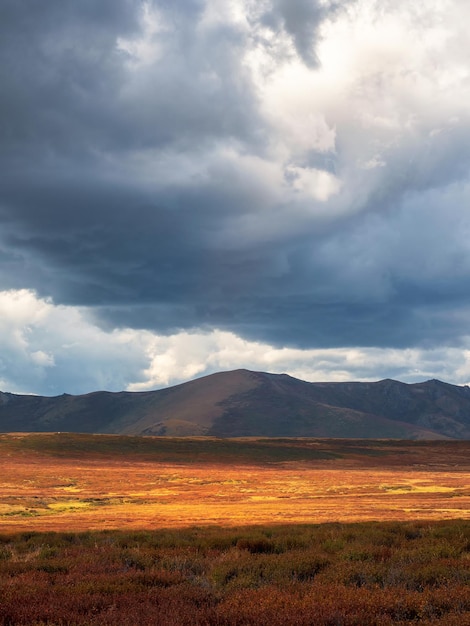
249,403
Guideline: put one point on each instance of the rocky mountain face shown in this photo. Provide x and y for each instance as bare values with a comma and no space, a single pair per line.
245,403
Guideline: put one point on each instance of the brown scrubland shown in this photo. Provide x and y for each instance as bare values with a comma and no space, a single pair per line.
130,530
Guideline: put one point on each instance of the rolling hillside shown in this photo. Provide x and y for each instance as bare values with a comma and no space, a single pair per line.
244,403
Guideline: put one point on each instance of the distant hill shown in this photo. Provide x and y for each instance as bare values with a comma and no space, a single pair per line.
245,403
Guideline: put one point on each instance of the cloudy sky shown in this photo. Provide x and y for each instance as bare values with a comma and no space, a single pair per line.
189,186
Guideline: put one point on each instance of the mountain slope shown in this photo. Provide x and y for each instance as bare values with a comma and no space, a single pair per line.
244,403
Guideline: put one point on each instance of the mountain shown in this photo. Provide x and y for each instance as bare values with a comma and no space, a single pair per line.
245,403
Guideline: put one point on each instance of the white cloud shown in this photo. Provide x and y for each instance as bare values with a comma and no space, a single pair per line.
42,358
222,12
318,184
49,349
179,357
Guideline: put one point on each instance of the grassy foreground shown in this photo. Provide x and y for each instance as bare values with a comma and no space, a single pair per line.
107,530
331,574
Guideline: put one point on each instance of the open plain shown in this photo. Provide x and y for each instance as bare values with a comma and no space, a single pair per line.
107,530
78,482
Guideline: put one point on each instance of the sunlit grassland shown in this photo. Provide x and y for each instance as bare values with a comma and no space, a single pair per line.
81,482
112,530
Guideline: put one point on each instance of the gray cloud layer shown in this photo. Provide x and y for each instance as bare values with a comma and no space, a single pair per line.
147,173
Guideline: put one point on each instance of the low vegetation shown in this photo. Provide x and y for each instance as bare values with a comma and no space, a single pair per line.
329,574
114,530
66,481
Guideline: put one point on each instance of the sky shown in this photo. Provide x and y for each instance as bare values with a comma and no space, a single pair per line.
191,186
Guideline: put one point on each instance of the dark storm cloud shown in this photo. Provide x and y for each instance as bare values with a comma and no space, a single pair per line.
300,19
58,71
120,190
67,91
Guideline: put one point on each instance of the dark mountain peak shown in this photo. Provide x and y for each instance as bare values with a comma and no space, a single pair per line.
435,382
242,402
390,382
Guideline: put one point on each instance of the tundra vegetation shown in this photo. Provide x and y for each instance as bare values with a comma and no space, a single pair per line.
129,530
350,574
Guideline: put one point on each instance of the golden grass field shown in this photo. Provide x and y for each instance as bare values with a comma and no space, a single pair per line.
64,482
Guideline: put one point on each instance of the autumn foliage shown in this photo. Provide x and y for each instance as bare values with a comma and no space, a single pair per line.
328,574
204,532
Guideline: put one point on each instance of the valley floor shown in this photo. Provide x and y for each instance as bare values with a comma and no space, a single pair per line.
118,531
72,482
